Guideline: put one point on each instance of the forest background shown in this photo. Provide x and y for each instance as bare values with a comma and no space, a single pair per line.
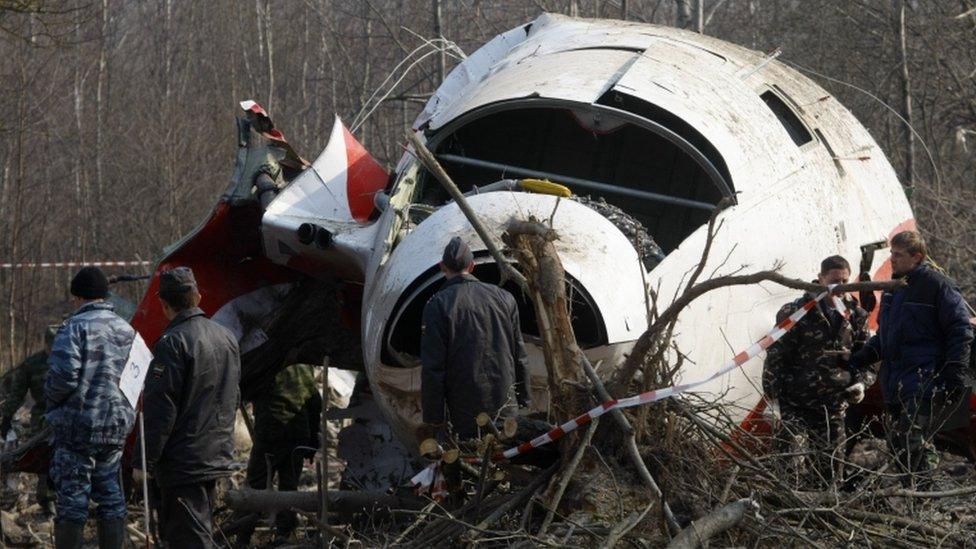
116,116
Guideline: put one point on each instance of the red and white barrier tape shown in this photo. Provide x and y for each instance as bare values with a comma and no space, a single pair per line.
57,264
659,394
430,477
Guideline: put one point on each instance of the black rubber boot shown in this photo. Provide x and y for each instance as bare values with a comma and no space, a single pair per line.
111,533
68,535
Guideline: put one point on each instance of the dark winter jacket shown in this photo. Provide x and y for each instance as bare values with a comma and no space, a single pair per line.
190,401
85,406
28,377
923,337
472,354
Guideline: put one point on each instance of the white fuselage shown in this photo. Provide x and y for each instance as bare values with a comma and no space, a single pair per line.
824,189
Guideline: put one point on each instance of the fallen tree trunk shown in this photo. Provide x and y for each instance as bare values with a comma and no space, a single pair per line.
340,501
700,531
531,243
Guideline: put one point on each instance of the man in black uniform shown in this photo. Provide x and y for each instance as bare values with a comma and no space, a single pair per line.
190,402
472,352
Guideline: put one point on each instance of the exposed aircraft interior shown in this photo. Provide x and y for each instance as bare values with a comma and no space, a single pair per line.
648,175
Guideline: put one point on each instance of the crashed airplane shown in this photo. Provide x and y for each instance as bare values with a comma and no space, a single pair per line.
648,127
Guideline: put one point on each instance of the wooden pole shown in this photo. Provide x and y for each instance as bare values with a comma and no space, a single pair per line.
324,460
435,168
672,524
145,478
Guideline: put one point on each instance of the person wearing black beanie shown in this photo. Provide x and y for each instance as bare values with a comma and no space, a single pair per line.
89,416
89,284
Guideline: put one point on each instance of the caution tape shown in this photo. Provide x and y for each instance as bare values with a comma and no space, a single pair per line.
428,478
659,394
63,264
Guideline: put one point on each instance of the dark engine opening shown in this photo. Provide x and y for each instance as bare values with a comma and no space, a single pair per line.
402,337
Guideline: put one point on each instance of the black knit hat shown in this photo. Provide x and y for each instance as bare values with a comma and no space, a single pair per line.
457,255
90,283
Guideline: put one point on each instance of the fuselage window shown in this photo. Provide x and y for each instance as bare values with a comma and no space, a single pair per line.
790,121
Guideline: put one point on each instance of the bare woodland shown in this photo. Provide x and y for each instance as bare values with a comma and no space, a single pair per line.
117,137
117,131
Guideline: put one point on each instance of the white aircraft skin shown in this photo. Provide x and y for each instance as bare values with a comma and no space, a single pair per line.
794,203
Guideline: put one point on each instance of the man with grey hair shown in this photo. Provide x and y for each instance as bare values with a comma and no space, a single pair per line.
472,351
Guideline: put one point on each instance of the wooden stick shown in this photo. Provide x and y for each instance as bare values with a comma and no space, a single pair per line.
484,421
435,168
672,524
514,502
324,444
700,531
567,475
620,530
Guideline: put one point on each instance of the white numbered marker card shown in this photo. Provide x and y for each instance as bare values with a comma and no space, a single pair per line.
134,373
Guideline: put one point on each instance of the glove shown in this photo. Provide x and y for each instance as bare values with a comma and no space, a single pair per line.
958,375
772,406
854,393
138,476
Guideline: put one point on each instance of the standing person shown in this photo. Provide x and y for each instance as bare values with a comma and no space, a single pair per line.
88,414
28,377
189,404
286,426
472,354
806,372
923,343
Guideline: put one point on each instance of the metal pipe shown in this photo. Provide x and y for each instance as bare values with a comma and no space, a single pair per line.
433,166
584,183
443,132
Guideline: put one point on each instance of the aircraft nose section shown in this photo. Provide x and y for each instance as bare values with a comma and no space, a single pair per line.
604,272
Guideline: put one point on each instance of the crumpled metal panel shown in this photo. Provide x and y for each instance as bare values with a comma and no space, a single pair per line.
581,76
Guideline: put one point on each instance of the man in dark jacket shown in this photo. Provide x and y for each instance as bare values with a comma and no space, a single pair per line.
89,415
472,352
28,377
923,344
807,375
190,403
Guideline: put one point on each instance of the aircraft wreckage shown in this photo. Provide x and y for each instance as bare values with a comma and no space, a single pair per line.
649,127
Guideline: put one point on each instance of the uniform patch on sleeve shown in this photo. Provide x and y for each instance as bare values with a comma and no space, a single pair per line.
156,368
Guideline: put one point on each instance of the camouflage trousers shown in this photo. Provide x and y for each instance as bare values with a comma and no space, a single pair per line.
80,475
817,435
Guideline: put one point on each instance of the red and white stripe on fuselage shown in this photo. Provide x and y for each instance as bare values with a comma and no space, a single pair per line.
339,186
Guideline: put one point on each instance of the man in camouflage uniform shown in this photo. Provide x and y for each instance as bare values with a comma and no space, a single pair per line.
88,414
806,372
286,427
28,377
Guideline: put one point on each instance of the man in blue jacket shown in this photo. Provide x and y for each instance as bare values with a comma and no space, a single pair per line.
89,416
923,344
